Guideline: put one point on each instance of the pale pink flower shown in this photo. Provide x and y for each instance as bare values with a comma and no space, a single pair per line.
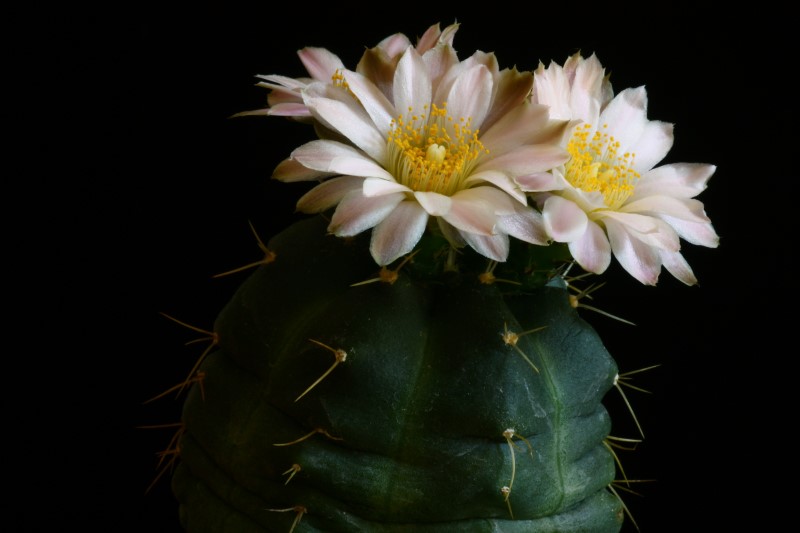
610,197
443,141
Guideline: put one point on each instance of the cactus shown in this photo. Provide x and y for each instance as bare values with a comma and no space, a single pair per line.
424,421
435,376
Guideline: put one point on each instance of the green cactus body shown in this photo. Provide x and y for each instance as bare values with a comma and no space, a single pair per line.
409,431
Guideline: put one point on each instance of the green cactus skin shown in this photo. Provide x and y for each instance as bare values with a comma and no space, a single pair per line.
406,433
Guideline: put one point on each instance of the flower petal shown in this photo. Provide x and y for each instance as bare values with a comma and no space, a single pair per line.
592,250
676,265
527,159
328,194
638,223
450,233
398,233
320,63
626,117
681,180
526,224
685,209
472,213
585,96
564,221
378,66
379,187
640,260
511,89
652,146
500,180
524,124
338,158
377,106
282,84
699,234
434,203
540,182
412,85
438,62
289,109
494,247
429,38
348,118
290,170
470,96
356,213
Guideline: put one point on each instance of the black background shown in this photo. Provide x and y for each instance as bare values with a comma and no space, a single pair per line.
130,188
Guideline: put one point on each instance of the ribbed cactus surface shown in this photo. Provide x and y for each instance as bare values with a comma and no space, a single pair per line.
437,402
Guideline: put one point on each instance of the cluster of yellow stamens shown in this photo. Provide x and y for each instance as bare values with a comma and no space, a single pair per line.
597,165
338,80
434,152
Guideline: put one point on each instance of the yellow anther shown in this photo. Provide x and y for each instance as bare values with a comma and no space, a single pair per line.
597,166
428,155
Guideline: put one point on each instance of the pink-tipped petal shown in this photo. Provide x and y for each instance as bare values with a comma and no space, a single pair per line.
540,182
377,106
676,265
379,187
338,158
494,247
435,204
586,89
429,38
526,224
685,209
626,117
524,124
412,85
398,233
681,180
470,96
498,201
394,45
638,259
450,233
592,250
564,221
282,83
638,223
320,63
328,194
511,90
357,213
501,181
475,210
694,233
290,170
289,109
527,159
350,120
652,146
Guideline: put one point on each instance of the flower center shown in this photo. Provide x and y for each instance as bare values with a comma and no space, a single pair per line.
596,165
434,152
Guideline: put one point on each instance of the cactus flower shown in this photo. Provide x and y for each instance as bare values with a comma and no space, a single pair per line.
445,144
436,400
610,197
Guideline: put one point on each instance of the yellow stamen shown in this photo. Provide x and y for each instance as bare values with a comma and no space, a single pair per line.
431,151
597,165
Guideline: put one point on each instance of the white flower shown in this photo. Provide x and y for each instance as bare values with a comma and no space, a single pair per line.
444,141
610,197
